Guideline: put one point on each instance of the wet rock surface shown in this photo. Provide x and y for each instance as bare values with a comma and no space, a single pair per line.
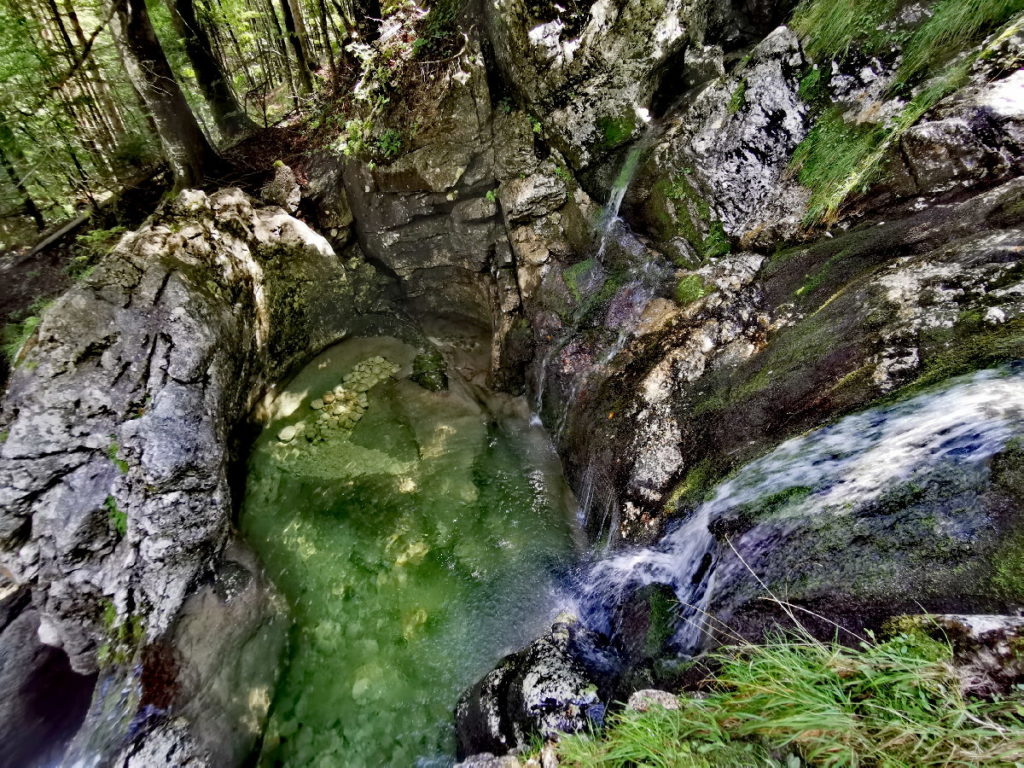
560,683
114,471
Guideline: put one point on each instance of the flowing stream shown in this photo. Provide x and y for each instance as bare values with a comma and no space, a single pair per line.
418,538
831,470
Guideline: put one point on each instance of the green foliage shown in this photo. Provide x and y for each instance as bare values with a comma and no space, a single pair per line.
831,27
113,453
739,97
796,701
563,173
491,195
691,288
953,27
616,131
16,334
388,144
811,85
118,519
836,158
92,246
438,33
716,243
4,435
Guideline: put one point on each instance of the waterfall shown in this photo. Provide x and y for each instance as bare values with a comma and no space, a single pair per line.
628,169
838,467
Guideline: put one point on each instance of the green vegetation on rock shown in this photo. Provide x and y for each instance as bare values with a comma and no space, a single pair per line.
678,209
118,519
795,701
15,334
113,453
690,288
616,131
838,158
572,276
739,97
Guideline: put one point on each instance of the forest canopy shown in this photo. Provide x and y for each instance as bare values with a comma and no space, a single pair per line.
101,95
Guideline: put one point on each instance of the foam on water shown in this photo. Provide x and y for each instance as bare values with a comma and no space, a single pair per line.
843,465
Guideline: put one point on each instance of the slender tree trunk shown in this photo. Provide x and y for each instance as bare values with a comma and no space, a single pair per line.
27,203
103,91
298,47
322,6
282,48
227,113
186,149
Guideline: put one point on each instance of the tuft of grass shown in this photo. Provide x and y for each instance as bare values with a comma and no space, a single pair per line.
953,27
113,453
831,27
739,97
118,519
797,701
837,159
15,334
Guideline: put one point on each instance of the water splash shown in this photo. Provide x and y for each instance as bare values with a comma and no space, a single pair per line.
840,466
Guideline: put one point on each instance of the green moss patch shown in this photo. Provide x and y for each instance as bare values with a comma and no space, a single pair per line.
616,131
676,209
118,519
691,288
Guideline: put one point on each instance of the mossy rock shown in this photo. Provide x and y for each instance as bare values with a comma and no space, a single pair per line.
430,372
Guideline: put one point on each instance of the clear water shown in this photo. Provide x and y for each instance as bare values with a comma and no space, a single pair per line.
415,549
842,466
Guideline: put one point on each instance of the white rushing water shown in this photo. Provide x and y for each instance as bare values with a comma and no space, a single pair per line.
843,465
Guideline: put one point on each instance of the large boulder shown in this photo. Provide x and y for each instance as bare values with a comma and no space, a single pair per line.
561,683
114,475
723,162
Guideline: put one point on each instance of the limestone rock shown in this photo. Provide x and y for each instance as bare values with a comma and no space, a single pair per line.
725,159
283,189
487,760
641,701
560,683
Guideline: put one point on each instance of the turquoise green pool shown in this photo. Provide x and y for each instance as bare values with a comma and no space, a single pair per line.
418,537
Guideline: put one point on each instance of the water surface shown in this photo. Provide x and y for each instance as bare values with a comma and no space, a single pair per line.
415,549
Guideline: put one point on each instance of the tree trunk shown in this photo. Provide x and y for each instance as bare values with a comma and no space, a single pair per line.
367,19
27,203
325,33
227,112
298,46
186,149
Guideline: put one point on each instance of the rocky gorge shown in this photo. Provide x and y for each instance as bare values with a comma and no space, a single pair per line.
763,290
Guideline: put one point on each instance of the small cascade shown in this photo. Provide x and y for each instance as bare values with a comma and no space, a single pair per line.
837,468
610,215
